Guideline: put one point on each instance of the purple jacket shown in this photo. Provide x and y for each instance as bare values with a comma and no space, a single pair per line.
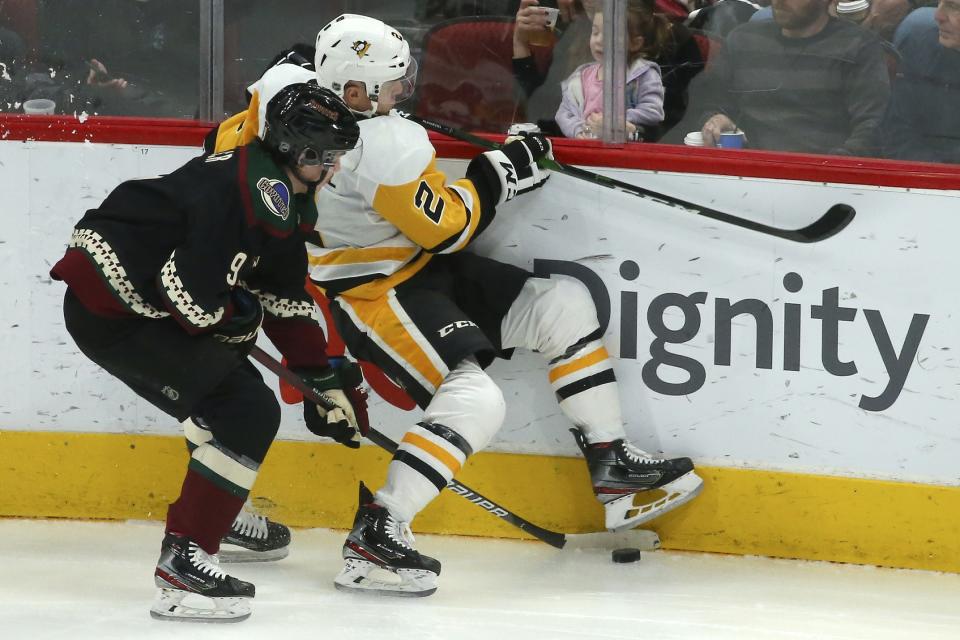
644,93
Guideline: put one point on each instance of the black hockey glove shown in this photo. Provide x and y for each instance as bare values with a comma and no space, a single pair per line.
515,164
240,331
341,385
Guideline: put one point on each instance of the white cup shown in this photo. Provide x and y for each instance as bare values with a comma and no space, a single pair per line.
855,10
552,15
693,139
40,106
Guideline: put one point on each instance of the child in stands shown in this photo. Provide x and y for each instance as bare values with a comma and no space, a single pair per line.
581,110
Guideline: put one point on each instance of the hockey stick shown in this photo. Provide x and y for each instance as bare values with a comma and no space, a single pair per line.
829,224
637,537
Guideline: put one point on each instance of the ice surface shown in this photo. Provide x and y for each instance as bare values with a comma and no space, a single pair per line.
70,580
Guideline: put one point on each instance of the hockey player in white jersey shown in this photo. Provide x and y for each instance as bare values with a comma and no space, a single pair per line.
432,317
406,297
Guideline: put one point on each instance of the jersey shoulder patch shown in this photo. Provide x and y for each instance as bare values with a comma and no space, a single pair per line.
395,151
270,201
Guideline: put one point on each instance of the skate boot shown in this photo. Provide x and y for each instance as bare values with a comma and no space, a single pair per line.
633,486
254,538
379,556
193,588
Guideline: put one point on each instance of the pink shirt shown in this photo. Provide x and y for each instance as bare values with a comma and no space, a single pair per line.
592,90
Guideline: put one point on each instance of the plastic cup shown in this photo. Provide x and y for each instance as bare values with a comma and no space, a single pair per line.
545,37
522,127
693,139
40,106
856,10
732,140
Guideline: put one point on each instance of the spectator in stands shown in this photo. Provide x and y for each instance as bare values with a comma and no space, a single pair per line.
882,19
128,58
923,119
803,82
886,15
581,110
720,18
679,60
569,51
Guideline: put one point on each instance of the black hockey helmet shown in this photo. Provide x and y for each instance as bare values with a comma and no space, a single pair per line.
307,124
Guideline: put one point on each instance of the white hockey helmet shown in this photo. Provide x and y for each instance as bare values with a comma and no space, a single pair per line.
363,49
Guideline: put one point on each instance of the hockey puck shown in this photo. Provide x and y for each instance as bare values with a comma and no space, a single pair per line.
625,555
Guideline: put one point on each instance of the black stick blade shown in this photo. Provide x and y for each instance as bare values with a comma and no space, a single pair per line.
828,225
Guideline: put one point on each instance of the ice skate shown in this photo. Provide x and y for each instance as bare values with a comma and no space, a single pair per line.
633,486
254,538
379,556
191,586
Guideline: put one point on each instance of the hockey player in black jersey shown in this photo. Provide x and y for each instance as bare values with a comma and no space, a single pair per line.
169,281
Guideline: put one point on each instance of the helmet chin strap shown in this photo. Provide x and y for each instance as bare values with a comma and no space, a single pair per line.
311,184
372,111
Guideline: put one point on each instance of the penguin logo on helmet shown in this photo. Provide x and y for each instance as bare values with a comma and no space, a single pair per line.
360,47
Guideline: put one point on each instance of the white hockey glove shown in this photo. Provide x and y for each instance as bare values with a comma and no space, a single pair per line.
515,164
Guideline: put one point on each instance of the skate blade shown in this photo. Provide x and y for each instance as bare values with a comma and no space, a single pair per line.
623,513
362,576
237,555
176,605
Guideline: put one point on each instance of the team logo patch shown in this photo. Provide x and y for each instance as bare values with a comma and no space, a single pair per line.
360,47
276,196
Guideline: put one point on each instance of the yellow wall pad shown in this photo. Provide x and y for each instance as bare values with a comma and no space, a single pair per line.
117,476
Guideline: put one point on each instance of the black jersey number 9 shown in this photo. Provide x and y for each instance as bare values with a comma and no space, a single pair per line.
425,198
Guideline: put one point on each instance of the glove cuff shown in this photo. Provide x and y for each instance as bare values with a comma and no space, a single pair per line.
505,171
341,374
321,378
518,154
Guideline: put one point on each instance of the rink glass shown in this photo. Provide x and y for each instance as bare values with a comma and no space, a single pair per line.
194,59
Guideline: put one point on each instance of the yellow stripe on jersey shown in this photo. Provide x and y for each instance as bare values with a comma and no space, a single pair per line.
430,213
433,450
382,324
592,358
353,255
239,129
375,288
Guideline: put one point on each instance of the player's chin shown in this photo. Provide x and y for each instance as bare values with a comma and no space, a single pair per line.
317,174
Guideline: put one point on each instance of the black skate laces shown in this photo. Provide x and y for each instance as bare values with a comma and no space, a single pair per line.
249,523
204,562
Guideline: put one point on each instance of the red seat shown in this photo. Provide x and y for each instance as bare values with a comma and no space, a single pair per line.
466,74
673,10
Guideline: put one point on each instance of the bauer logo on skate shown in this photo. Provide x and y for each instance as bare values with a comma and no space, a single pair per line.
276,196
787,320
